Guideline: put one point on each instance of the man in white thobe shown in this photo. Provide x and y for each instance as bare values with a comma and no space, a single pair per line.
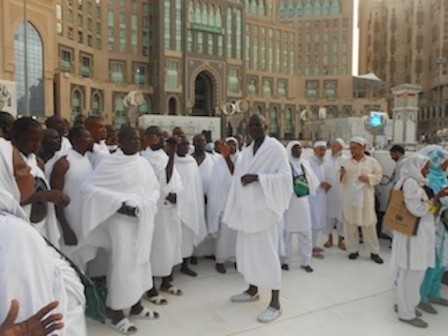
259,196
27,135
225,249
205,162
119,206
359,175
318,202
191,204
298,215
166,246
332,167
68,174
397,153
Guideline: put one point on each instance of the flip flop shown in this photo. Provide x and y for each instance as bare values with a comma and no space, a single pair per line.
124,327
173,290
147,314
158,299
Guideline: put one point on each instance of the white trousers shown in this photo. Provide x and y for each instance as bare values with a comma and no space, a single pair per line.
315,236
331,223
351,236
305,247
407,291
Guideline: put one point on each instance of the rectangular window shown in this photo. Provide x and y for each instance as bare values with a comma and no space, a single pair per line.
123,33
111,30
139,74
70,15
117,72
66,60
80,37
86,65
134,32
58,11
172,75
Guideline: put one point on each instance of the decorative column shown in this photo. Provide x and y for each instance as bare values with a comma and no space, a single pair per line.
405,113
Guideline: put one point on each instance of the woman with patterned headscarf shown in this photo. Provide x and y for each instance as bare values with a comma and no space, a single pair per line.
430,290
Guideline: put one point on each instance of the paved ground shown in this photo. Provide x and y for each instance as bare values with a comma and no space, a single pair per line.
341,297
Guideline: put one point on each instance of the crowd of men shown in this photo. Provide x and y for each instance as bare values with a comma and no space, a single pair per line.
131,204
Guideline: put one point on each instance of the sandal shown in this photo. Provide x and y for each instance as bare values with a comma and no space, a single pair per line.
158,299
173,290
124,327
147,314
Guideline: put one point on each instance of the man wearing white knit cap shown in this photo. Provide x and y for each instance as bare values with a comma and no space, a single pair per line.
318,202
359,175
332,168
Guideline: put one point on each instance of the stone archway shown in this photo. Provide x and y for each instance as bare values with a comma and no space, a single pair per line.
205,91
203,96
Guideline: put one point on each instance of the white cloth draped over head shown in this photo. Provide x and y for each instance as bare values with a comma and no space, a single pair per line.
119,179
415,252
10,194
259,205
359,140
412,168
27,269
191,199
218,191
298,163
318,144
340,141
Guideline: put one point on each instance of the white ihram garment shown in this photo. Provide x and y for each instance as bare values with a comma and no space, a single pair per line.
99,151
318,202
79,168
119,179
48,227
255,211
30,271
332,168
216,202
191,204
166,244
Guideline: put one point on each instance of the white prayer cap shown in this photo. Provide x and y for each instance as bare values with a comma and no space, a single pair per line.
359,140
320,144
340,141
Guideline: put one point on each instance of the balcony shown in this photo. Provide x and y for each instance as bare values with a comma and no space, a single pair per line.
85,71
66,66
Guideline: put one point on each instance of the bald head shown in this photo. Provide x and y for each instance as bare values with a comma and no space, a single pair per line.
6,122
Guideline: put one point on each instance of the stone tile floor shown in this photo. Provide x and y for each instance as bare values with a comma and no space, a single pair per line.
341,297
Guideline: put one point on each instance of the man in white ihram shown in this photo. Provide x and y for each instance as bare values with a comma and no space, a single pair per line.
118,213
259,196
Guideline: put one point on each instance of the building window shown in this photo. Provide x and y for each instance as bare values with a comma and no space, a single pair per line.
273,122
140,74
34,84
117,71
167,23
123,37
178,22
289,128
330,90
267,87
312,90
281,89
233,82
111,30
239,41
229,33
96,104
86,65
120,117
172,75
252,86
76,104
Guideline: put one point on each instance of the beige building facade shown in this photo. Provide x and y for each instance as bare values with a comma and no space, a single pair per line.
407,42
290,60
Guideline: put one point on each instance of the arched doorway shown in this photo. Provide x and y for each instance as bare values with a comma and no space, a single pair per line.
203,96
172,106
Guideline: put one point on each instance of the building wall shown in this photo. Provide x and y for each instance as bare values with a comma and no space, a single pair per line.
282,57
414,34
